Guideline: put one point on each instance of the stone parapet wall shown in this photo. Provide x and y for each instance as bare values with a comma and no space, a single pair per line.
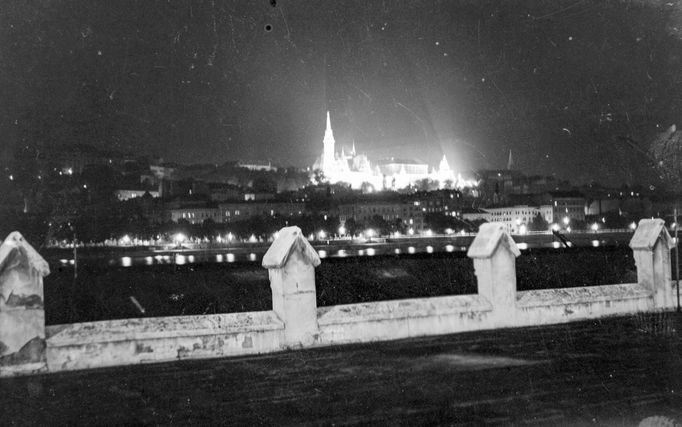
296,321
160,339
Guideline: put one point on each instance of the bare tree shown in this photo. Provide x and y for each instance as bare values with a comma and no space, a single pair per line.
666,152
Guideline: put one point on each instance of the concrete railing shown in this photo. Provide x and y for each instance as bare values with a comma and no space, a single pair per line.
295,321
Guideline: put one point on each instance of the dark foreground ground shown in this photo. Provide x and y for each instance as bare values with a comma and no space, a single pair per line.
606,372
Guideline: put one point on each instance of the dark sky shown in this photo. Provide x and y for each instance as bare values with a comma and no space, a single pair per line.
574,88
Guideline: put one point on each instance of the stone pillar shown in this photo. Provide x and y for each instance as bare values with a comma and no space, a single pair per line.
291,262
494,253
651,246
22,313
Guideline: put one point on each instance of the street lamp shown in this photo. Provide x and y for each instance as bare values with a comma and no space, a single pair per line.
179,238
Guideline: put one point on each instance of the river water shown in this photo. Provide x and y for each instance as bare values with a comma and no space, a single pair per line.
253,253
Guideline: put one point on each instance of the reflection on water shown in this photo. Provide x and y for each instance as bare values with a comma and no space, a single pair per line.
325,252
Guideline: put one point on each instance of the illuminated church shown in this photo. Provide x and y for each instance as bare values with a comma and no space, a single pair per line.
388,174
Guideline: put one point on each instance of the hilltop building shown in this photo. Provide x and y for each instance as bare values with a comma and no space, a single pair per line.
388,174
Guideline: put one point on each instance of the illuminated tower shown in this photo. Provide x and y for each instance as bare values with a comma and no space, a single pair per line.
328,155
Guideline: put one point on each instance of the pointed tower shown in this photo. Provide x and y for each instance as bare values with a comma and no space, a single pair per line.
510,162
352,152
444,167
328,155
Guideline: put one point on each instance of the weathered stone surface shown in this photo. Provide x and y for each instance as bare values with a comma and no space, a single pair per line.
581,295
147,340
288,240
489,237
648,233
401,309
32,352
651,246
22,316
151,328
291,262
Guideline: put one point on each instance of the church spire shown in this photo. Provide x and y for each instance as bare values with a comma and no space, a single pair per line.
328,155
510,162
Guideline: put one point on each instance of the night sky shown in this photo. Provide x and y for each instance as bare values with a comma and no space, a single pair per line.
573,88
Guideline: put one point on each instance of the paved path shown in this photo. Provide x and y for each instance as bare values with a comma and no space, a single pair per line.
608,372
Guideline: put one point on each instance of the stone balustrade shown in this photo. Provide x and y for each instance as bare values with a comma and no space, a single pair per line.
295,321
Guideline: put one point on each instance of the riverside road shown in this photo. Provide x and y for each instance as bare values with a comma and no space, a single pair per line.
615,371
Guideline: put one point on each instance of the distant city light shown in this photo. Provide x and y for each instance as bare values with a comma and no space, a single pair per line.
342,231
275,235
555,227
429,232
633,226
11,177
179,238
566,220
410,231
125,240
568,229
448,231
253,238
594,227
523,229
369,232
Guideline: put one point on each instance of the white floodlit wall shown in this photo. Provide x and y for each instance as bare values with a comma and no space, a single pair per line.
296,322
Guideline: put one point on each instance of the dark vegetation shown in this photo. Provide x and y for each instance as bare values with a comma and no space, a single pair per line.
103,292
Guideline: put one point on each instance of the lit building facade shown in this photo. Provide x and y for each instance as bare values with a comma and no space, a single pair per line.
357,170
515,218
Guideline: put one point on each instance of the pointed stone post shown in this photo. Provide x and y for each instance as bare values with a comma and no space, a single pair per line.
494,253
651,246
22,312
291,262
